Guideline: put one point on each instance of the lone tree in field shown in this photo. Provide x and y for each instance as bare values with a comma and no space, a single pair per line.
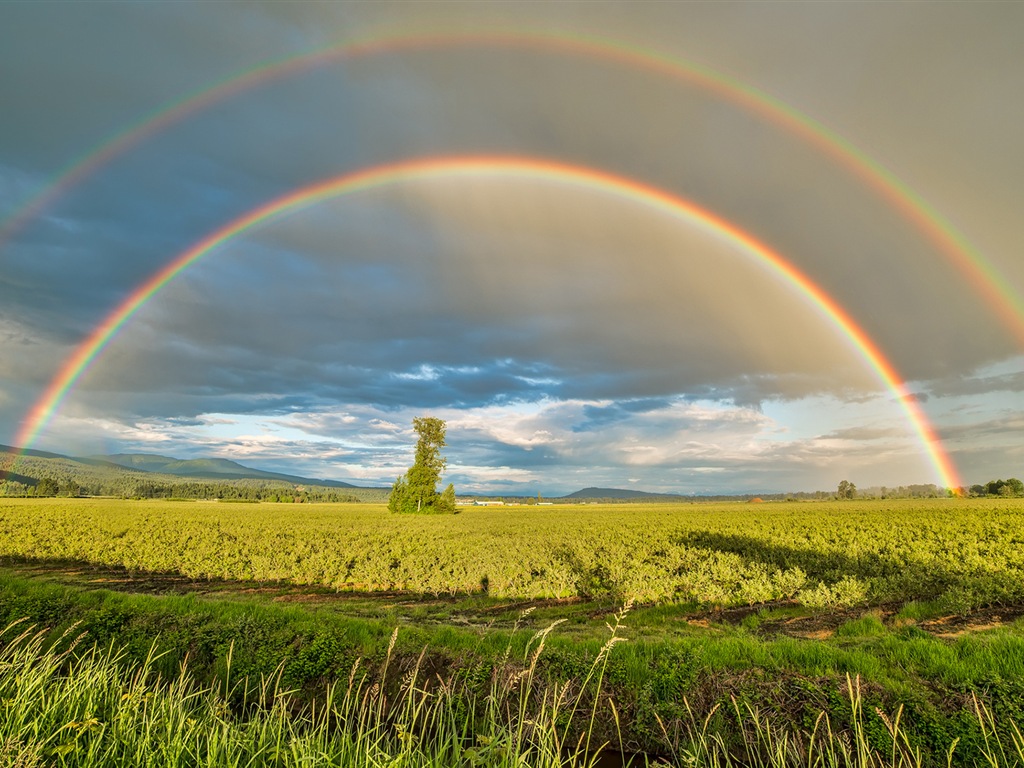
416,490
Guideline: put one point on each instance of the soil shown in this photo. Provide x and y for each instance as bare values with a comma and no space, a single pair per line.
476,610
822,625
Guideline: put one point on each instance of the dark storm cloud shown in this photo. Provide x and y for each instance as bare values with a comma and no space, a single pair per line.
347,313
88,71
289,133
600,415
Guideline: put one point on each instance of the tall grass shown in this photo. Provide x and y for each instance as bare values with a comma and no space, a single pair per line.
763,744
66,703
84,706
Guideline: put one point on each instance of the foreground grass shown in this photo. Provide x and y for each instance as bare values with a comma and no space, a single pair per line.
721,690
66,706
95,709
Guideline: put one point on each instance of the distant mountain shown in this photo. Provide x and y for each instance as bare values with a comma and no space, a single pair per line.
209,469
147,462
30,452
32,465
618,493
153,476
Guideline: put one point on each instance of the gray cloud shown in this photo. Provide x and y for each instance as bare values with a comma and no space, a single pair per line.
955,386
472,294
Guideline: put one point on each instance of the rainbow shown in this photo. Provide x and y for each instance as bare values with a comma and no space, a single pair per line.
473,166
978,271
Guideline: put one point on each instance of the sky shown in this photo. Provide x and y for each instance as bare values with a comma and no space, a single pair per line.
589,304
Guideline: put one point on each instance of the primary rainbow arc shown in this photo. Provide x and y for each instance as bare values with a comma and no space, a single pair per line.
436,167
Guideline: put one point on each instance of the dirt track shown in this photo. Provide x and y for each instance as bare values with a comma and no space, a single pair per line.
475,610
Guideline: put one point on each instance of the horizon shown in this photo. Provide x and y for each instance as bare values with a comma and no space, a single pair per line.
551,492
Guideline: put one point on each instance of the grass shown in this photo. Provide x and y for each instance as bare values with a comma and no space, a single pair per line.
869,625
97,708
918,610
658,682
69,705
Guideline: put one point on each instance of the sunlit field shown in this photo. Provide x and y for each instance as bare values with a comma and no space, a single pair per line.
963,552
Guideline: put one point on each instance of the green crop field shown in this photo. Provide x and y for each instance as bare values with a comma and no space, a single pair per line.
854,633
967,553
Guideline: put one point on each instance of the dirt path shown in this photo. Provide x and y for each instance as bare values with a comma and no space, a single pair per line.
824,624
783,618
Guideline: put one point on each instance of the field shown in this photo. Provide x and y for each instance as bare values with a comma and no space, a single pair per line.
746,624
965,553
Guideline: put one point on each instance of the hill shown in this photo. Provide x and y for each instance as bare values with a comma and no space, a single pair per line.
619,494
210,469
155,476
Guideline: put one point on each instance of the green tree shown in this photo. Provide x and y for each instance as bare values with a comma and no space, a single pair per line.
47,486
846,490
399,491
416,490
446,501
995,487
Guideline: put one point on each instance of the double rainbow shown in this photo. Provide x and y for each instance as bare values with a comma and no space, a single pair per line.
978,271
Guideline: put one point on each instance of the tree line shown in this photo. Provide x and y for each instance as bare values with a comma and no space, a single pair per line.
237,490
1011,487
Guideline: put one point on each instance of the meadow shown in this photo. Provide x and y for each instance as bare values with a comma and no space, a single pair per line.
855,633
963,552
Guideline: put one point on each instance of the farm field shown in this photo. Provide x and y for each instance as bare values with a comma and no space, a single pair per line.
964,553
770,616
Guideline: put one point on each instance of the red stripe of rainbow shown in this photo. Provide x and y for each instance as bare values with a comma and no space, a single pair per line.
435,167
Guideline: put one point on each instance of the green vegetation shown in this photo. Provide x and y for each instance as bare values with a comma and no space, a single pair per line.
965,553
416,491
215,681
1011,488
862,632
96,708
846,490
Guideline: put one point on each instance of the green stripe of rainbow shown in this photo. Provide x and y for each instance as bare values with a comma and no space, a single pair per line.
437,167
979,272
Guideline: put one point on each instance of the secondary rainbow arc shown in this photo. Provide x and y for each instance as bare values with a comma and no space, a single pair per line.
439,167
981,274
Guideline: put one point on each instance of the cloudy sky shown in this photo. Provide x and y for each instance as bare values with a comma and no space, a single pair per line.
571,334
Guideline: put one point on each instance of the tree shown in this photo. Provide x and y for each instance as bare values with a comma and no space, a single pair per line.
416,490
446,501
995,487
47,486
847,490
